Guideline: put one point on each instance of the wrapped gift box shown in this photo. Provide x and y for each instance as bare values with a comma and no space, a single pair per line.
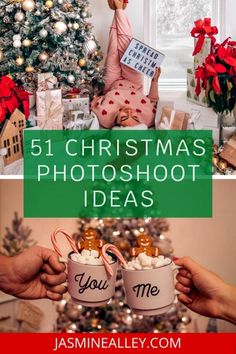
199,58
173,120
191,90
49,110
75,104
229,152
46,81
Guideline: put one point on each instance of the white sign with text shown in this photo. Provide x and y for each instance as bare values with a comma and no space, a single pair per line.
142,58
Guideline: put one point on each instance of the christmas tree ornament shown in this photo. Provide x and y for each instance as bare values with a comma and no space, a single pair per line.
26,42
60,27
19,16
84,14
69,25
37,13
215,160
20,61
43,33
29,69
28,5
17,43
60,2
6,19
49,4
1,55
43,56
71,79
223,165
75,26
82,62
90,46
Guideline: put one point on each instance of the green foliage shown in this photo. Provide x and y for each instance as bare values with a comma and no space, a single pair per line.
225,102
17,238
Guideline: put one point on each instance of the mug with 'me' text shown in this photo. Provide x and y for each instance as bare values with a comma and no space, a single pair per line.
150,292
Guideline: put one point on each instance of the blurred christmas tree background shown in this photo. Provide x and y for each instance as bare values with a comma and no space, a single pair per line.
49,36
17,238
116,316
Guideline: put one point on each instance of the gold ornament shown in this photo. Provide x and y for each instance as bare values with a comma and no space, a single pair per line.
60,27
215,160
26,42
29,69
215,149
82,63
20,61
1,55
28,5
43,56
223,165
49,4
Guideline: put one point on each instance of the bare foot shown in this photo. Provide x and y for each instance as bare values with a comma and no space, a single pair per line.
125,4
118,4
111,4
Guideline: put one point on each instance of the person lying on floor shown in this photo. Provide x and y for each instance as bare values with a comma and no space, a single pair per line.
124,103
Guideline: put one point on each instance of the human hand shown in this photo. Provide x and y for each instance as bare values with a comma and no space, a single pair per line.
33,274
203,291
157,75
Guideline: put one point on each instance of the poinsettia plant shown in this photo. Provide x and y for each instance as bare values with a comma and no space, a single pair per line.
218,77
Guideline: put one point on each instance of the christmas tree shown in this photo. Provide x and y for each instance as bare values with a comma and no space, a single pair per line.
117,316
49,36
17,238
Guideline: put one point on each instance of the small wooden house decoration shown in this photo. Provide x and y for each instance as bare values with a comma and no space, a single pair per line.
19,121
10,139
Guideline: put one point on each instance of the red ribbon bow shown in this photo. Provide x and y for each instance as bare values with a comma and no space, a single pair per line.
202,30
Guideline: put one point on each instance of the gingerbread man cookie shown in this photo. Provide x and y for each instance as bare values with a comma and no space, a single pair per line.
144,243
91,241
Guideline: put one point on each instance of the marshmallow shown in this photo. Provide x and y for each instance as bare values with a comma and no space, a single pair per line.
90,258
144,262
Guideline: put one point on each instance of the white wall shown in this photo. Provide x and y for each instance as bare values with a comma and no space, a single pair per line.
102,18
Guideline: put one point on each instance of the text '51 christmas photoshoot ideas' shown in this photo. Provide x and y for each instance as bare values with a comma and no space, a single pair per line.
118,174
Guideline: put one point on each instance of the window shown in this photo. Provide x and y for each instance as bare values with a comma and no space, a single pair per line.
15,144
169,23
